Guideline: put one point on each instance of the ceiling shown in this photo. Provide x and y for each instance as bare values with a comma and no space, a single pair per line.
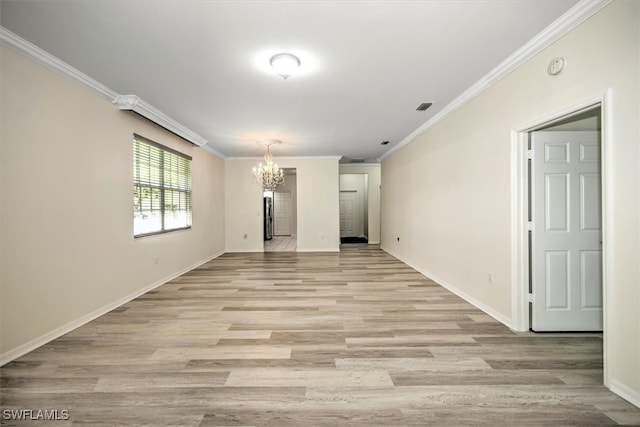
366,65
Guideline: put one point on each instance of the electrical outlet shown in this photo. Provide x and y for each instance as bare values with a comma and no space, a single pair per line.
156,260
490,277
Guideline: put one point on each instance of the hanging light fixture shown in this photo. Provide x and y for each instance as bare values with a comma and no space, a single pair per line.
285,64
269,174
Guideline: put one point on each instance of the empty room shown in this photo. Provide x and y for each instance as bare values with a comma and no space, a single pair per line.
285,213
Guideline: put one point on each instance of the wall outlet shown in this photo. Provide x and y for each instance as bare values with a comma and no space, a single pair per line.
398,239
490,277
156,260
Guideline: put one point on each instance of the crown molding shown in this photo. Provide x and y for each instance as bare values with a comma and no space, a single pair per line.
575,16
357,165
148,111
285,158
213,151
39,56
123,102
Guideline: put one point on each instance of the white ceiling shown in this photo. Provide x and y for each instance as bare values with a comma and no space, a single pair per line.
366,65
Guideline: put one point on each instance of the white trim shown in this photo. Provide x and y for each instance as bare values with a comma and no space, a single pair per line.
519,232
319,250
357,165
285,158
64,329
124,102
451,288
255,159
137,105
39,56
213,151
606,136
565,113
625,392
561,26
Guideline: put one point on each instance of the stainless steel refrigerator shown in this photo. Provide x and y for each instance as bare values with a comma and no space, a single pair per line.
268,218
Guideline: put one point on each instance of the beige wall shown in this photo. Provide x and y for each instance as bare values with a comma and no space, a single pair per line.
447,195
373,207
317,190
66,190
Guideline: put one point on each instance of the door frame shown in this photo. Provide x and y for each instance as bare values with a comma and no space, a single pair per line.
520,207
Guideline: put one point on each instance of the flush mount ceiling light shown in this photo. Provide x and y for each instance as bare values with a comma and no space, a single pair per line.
285,64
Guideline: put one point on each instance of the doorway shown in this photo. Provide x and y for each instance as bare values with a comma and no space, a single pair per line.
354,208
521,296
284,214
521,251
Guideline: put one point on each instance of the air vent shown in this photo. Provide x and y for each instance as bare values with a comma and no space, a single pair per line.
423,106
358,160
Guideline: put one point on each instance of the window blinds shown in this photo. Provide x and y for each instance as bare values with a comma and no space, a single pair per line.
161,188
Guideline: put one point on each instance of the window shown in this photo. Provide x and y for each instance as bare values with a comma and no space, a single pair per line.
161,188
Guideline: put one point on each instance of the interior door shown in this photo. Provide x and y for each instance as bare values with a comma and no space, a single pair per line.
566,231
348,214
282,214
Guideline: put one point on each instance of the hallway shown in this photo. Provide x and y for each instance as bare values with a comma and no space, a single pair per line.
281,244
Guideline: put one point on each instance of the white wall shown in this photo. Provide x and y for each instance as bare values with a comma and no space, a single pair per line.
447,195
373,202
66,229
317,204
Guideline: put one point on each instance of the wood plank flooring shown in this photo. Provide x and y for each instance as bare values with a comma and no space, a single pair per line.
316,339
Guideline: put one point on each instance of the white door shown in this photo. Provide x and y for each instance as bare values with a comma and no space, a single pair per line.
348,214
282,214
567,231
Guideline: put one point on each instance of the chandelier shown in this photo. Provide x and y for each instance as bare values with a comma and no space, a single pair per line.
269,174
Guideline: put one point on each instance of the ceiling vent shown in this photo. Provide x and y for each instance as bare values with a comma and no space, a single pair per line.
423,106
358,160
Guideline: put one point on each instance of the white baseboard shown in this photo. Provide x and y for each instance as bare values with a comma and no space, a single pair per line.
318,250
64,329
374,243
631,396
470,299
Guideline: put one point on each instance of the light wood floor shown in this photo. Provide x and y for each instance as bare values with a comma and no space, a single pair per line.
311,339
281,244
